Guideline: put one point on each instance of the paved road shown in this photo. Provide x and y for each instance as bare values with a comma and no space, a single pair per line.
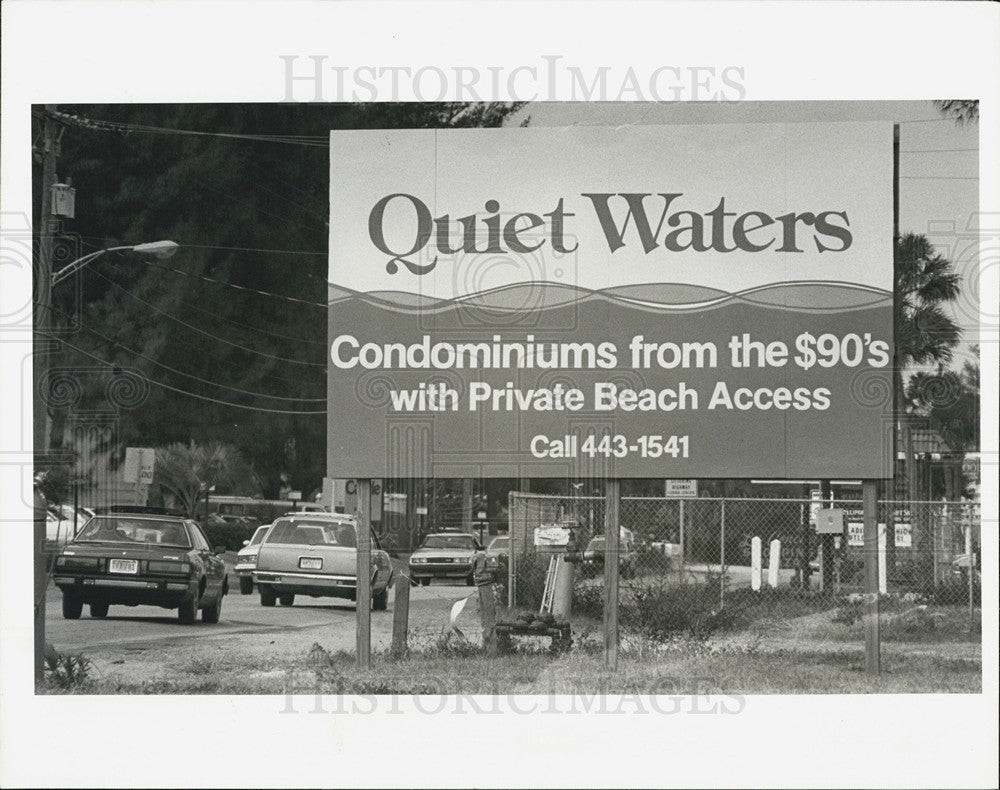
148,626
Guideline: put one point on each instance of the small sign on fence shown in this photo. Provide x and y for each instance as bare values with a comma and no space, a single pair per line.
829,521
681,489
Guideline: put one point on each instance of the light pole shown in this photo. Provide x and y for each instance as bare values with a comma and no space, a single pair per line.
156,249
44,283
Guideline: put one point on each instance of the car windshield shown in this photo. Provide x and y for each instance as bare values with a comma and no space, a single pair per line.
450,542
122,529
596,543
301,532
500,543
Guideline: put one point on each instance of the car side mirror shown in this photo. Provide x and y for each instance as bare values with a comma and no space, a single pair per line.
246,543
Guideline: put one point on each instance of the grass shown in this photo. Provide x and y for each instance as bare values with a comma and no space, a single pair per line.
679,668
777,643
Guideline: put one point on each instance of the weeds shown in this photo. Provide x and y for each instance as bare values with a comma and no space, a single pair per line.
66,672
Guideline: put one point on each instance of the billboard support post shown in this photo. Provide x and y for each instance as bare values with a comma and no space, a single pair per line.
612,540
363,586
869,497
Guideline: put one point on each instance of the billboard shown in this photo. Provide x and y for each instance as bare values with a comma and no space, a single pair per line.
645,301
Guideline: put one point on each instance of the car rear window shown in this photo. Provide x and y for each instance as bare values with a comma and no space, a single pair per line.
313,533
121,529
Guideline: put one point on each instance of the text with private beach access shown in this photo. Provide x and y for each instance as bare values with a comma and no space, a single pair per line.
606,396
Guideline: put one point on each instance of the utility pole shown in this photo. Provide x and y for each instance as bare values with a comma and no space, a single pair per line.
40,359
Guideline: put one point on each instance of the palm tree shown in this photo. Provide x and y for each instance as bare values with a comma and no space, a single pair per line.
185,470
962,110
925,282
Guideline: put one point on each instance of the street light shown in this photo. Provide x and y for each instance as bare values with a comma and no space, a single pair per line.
156,249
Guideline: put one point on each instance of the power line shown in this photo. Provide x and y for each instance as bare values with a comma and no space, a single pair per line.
208,279
233,321
944,178
188,375
185,392
207,334
316,141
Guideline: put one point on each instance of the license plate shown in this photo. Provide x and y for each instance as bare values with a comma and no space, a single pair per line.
123,566
310,563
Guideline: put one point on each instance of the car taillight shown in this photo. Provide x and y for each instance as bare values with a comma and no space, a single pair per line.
171,568
77,562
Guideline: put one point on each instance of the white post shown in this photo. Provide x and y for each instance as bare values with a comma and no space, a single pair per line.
883,586
774,562
755,563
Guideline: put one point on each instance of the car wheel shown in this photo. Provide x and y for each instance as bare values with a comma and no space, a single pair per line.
98,610
246,585
188,610
425,582
380,601
210,614
470,580
267,596
287,599
414,582
72,607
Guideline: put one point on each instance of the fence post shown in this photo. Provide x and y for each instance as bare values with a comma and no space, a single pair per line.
722,555
512,548
363,582
611,545
681,539
400,615
869,498
971,569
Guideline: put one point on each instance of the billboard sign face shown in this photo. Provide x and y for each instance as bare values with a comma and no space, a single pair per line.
645,301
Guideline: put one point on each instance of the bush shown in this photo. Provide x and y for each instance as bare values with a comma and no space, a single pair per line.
588,600
230,536
955,591
660,612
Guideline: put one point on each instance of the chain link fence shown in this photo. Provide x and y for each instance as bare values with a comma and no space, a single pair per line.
707,544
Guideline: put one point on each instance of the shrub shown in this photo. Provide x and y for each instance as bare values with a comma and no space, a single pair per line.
660,612
230,536
588,600
66,671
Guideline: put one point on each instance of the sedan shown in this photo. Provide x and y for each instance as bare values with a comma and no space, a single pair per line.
316,554
134,559
499,548
446,555
246,559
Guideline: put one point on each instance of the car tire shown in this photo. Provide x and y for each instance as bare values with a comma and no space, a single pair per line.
287,599
188,610
414,582
98,610
246,585
425,582
267,596
380,601
210,614
72,607
470,580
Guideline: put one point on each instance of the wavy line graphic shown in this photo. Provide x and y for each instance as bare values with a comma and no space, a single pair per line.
801,296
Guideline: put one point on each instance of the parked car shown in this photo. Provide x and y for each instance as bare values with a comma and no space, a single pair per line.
246,559
445,555
499,547
593,556
137,559
315,554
